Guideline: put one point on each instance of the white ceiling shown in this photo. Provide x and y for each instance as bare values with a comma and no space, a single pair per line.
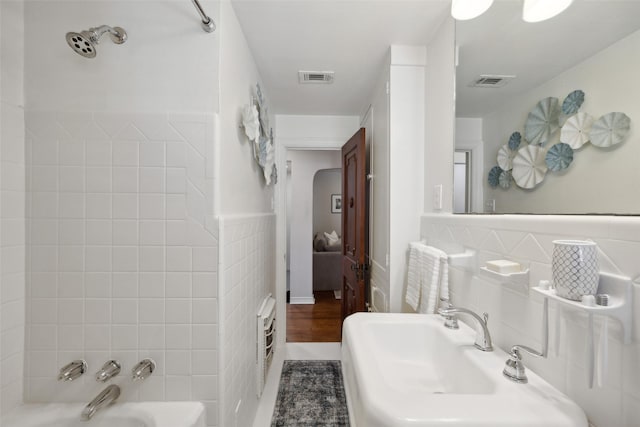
499,42
350,37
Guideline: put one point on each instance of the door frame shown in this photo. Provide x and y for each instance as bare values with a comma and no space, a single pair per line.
280,207
475,147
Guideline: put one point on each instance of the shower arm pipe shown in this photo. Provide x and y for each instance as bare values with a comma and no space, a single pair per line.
116,33
207,23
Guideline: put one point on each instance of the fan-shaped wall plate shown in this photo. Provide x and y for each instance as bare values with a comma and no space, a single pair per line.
514,141
251,122
610,129
559,157
576,131
543,121
529,167
494,176
573,102
505,158
265,157
505,179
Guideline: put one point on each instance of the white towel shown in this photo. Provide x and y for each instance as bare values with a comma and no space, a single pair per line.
414,276
427,277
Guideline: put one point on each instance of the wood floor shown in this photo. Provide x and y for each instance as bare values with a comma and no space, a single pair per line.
319,322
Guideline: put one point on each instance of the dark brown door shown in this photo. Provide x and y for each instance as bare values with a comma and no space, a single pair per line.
354,216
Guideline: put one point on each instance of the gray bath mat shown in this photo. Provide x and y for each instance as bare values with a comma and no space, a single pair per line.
311,393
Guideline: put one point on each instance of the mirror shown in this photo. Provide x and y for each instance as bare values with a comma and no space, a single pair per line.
594,47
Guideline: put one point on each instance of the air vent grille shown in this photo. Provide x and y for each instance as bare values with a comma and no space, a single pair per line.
491,80
317,77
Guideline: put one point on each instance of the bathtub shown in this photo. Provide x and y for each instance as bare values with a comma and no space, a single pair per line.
138,414
408,370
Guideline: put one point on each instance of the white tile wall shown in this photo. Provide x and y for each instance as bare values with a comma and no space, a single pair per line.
121,264
515,315
12,205
247,277
12,256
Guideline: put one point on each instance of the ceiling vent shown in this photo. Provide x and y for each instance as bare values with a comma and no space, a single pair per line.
320,77
491,80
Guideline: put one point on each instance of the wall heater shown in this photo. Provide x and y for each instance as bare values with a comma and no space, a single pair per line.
265,346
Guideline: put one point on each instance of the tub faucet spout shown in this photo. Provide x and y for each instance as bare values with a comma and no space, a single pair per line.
106,397
483,339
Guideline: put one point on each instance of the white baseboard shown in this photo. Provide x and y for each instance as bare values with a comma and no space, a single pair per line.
302,300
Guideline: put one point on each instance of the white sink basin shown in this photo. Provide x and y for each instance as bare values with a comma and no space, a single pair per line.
409,370
142,414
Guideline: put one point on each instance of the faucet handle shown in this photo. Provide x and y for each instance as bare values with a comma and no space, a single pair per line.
514,368
445,303
143,369
450,320
73,370
109,370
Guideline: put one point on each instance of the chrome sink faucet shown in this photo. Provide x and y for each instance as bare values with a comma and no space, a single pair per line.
106,397
483,340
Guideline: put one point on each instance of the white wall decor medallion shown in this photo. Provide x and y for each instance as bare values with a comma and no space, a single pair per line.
255,121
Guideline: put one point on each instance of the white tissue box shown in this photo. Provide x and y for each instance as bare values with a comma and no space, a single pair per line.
504,266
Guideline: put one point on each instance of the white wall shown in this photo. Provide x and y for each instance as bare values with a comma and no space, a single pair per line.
607,88
515,315
168,58
12,201
247,239
325,183
120,262
439,118
406,168
315,132
123,252
242,185
304,166
247,270
379,192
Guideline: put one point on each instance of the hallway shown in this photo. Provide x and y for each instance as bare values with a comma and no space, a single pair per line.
319,322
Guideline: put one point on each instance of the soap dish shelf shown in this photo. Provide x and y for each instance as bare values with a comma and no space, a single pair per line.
466,259
520,278
619,290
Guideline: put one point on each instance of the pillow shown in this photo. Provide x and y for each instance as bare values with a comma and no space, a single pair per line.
319,243
334,247
332,238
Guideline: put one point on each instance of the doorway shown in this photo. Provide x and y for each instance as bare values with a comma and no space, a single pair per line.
313,189
462,181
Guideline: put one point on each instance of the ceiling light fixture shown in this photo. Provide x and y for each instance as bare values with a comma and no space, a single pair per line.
540,10
469,9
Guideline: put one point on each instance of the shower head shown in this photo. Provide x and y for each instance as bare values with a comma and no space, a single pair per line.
84,43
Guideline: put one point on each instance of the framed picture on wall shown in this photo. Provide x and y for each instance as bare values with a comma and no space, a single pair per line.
336,203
